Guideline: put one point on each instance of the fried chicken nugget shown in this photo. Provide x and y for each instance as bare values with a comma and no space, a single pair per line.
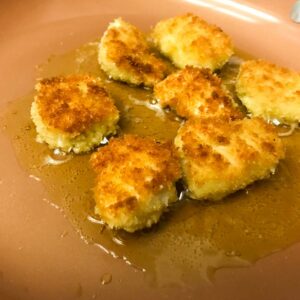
196,92
135,181
269,91
125,55
189,40
219,157
73,113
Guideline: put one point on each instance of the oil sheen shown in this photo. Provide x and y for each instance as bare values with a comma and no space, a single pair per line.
193,239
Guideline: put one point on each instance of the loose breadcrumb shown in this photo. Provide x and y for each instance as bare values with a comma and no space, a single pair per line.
73,113
124,54
220,157
135,181
189,40
196,92
269,91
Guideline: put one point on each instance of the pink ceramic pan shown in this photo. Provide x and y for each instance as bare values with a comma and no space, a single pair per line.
35,261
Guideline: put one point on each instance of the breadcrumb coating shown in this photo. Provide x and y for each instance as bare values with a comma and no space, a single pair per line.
269,91
124,54
196,92
73,112
219,157
135,181
189,40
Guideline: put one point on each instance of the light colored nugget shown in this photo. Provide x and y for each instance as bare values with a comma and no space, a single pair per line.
73,113
195,92
269,91
189,40
220,157
125,55
135,181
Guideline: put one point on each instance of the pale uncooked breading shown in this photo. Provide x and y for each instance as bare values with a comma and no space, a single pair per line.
269,91
189,40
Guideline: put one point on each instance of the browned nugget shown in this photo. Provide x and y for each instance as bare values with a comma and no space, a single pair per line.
269,91
73,112
219,157
125,55
135,181
196,92
189,40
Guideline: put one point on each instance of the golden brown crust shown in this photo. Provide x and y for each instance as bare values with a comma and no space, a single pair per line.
189,40
73,103
220,157
137,158
125,55
135,181
269,91
195,92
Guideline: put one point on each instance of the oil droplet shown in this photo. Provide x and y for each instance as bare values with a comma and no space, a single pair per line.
104,141
64,233
167,110
118,240
57,157
153,101
34,177
106,278
274,121
58,154
182,195
94,220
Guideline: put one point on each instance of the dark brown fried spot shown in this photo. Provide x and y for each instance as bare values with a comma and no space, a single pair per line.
127,203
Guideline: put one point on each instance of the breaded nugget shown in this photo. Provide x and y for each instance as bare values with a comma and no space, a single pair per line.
195,92
73,113
269,91
125,55
189,40
135,181
220,157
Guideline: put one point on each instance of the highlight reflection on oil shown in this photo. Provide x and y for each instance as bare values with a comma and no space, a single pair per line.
194,239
